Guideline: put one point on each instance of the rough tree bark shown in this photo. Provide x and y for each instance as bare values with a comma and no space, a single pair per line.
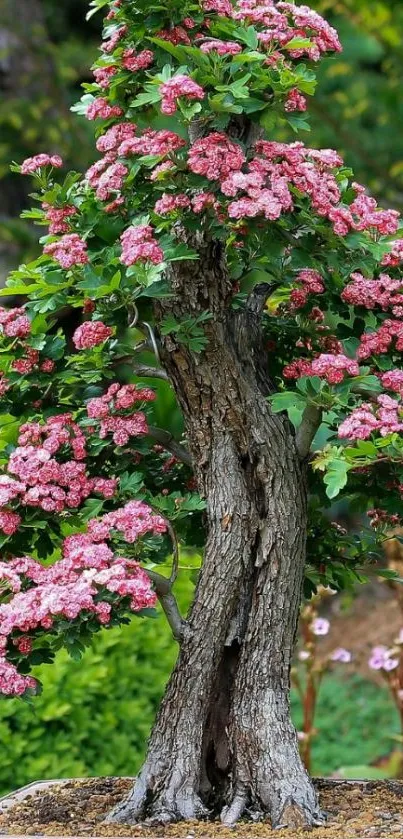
223,739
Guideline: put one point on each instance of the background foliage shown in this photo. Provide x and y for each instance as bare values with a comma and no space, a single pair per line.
93,718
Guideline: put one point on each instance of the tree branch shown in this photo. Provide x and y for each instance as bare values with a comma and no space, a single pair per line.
143,370
163,590
311,420
167,440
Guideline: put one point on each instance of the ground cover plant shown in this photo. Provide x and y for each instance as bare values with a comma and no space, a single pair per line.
263,282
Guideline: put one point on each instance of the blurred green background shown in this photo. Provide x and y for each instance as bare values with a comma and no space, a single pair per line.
94,717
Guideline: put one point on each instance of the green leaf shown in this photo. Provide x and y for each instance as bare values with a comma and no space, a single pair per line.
336,477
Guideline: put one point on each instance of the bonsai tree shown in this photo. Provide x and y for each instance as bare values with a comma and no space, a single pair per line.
262,283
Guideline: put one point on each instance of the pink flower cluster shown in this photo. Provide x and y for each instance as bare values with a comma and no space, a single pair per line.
137,61
176,35
103,75
373,293
71,588
14,323
381,518
380,341
295,101
139,245
30,361
101,109
382,659
282,23
12,683
112,42
273,170
9,522
276,167
114,137
90,334
395,256
68,251
107,409
133,520
384,419
170,203
111,181
311,282
393,380
4,384
215,156
177,87
56,216
154,143
39,479
327,366
221,47
363,214
32,165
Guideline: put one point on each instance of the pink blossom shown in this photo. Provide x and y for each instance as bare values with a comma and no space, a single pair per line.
101,109
176,87
68,251
221,7
342,655
139,245
56,216
320,626
104,74
12,683
23,644
381,659
176,35
221,47
215,156
161,170
137,61
9,522
111,180
370,294
170,203
295,101
393,380
154,143
334,367
385,418
114,137
109,45
395,257
4,384
14,323
134,520
95,171
90,334
33,164
380,341
204,201
297,369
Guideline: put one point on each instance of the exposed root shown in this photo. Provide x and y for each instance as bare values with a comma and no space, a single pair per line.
233,812
148,803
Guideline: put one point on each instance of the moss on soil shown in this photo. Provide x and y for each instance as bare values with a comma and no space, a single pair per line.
78,808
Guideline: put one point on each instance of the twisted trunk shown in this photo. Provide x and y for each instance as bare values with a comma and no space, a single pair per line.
223,739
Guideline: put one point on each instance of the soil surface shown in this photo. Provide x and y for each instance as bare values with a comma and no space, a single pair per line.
77,808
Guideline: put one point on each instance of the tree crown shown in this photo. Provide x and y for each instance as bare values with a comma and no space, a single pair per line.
186,98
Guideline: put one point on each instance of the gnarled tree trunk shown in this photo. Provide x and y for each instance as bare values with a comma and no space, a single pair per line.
223,739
